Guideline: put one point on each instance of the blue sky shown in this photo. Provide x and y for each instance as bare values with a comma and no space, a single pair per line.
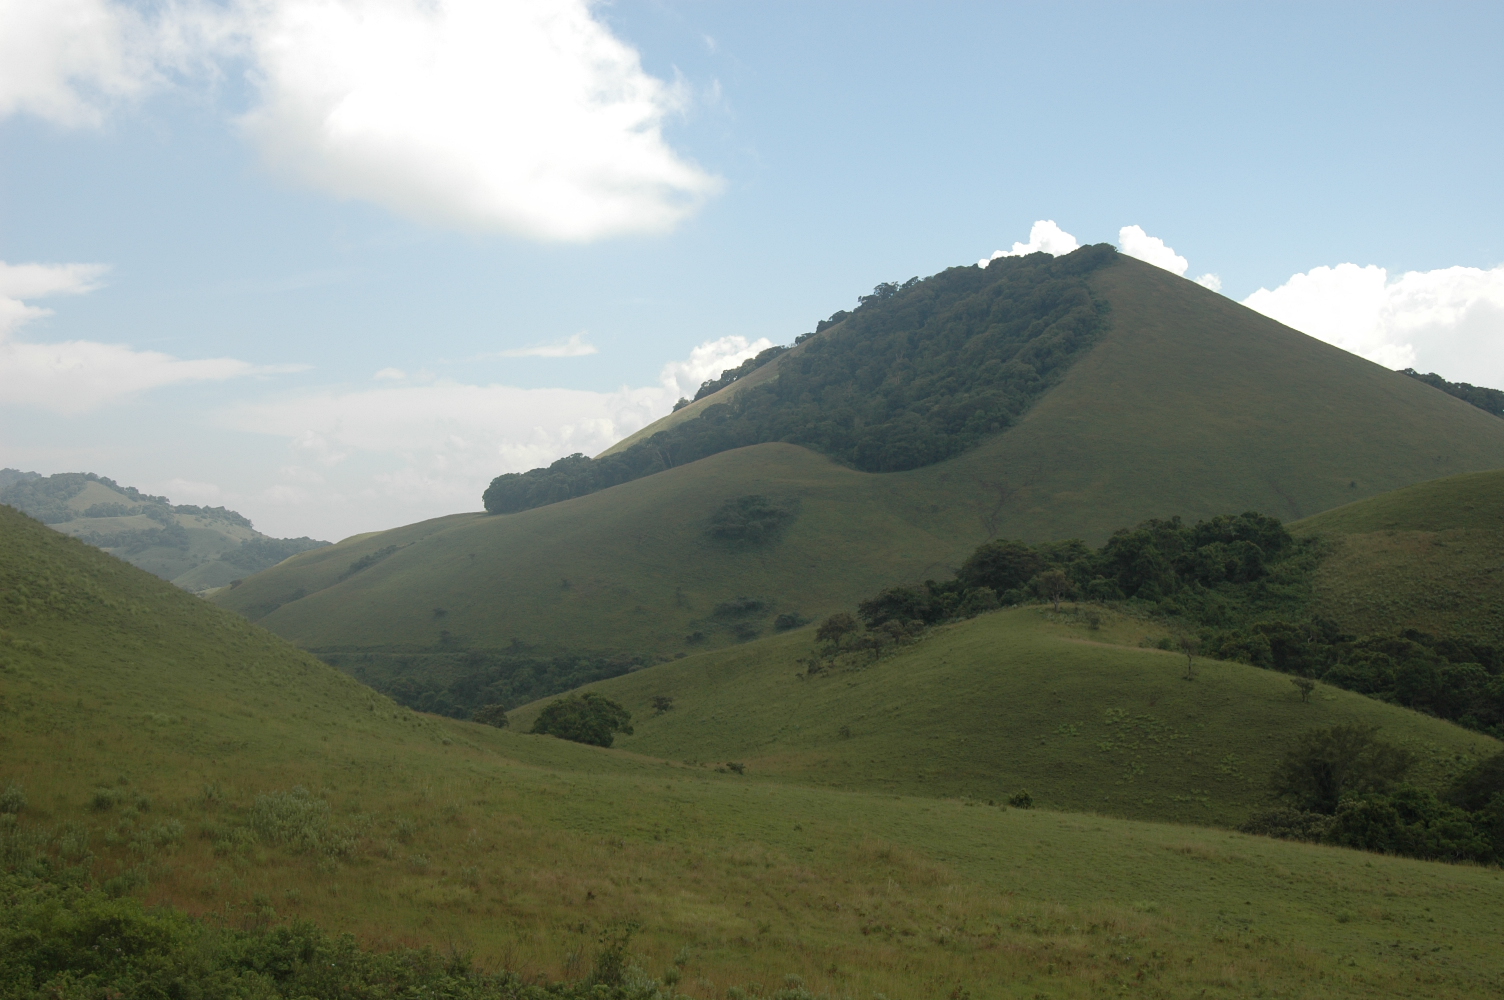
777,160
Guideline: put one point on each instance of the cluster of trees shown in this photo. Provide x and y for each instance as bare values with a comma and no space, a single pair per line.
751,520
1483,398
1237,586
61,934
917,373
1454,679
462,683
1345,786
1224,570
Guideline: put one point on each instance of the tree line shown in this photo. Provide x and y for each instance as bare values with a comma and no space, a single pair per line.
1236,587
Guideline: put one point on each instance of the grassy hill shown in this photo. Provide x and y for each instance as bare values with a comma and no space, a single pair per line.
1082,718
197,548
177,752
1429,557
1189,404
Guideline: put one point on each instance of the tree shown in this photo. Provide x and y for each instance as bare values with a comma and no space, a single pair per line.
834,628
1327,765
1000,565
584,718
1190,646
1053,585
492,715
662,703
1305,686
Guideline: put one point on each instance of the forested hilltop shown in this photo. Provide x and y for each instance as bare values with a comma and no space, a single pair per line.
917,373
197,548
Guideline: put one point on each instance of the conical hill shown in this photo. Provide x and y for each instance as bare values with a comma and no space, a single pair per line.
1187,403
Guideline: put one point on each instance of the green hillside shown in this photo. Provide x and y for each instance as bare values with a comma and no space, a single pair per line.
1189,404
165,749
1428,557
1021,699
197,548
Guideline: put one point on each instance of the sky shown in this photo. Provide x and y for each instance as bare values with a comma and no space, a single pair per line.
337,263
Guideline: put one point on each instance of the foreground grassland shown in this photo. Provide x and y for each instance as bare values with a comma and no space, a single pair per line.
1429,557
1190,404
1020,699
160,742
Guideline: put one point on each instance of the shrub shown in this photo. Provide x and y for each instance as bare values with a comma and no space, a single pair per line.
789,620
298,820
1021,800
493,715
1288,824
12,800
584,718
751,520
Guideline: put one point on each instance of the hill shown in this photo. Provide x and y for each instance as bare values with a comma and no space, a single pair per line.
173,751
197,548
1426,557
1188,404
1082,718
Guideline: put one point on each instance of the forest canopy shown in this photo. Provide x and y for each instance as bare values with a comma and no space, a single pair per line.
917,373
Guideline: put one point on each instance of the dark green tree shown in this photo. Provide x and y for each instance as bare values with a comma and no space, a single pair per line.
492,715
1327,765
584,718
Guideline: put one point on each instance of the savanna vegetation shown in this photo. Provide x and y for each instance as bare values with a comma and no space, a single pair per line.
917,373
169,753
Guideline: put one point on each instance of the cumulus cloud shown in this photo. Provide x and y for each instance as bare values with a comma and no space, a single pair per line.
80,375
437,445
573,347
1044,236
520,116
1133,241
1449,320
684,378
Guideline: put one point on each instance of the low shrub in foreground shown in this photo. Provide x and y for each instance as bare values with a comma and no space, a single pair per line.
59,940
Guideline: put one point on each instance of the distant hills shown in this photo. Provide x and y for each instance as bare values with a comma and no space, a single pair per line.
197,548
1183,403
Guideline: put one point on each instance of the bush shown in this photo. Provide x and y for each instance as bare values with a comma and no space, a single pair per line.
1288,824
584,718
751,520
492,715
1021,800
12,800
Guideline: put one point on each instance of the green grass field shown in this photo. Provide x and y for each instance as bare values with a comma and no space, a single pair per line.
1019,699
1190,405
145,728
1429,557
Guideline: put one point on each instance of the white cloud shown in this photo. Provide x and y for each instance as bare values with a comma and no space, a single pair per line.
80,375
1133,241
573,347
1449,320
683,378
526,116
520,116
1212,281
412,451
396,374
1044,236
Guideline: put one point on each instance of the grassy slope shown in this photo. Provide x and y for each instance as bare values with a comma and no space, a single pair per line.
1191,404
1429,556
521,849
1020,699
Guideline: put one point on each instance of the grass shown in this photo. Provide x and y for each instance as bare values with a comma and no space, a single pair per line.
1190,405
1023,699
186,755
1427,557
